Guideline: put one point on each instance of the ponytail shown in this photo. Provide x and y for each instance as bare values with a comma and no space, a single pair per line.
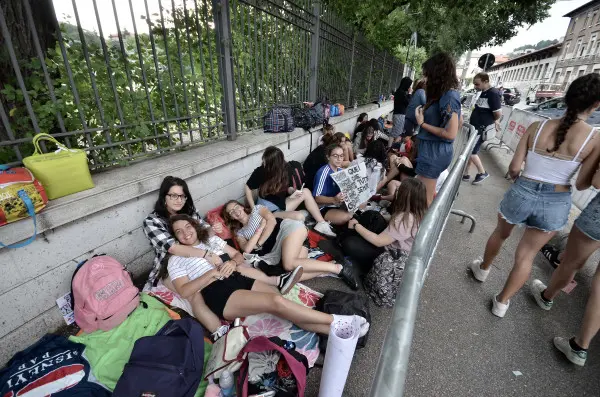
566,123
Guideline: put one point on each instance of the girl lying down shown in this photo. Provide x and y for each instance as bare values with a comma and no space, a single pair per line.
230,294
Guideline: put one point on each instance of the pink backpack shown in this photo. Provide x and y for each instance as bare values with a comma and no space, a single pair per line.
103,294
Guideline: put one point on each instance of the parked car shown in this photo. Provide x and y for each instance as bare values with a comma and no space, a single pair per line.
511,96
555,108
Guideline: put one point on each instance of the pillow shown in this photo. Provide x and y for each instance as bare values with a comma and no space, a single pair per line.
214,217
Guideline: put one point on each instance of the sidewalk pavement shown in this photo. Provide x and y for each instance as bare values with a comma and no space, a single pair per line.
459,347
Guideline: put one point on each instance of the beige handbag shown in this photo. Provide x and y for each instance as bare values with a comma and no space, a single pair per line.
227,352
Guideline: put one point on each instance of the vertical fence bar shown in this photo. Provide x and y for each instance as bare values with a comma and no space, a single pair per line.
17,70
314,51
223,31
370,74
381,81
351,69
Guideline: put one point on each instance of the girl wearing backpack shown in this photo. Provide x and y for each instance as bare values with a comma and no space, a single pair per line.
280,189
231,295
407,209
174,198
277,241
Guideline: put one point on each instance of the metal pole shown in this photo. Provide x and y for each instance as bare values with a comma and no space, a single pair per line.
406,67
223,32
351,67
314,51
466,68
392,367
381,81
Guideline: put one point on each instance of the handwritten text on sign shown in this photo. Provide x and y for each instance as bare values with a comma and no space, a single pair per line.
354,183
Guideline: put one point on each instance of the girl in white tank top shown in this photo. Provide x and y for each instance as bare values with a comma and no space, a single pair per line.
540,197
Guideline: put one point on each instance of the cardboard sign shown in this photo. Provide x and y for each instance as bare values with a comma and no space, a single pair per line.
354,183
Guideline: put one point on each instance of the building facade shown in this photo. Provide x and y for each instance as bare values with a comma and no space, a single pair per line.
525,72
580,53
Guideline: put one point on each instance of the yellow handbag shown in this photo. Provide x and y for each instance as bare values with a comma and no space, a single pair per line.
62,172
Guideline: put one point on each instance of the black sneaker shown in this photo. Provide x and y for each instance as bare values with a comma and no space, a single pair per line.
466,178
480,178
288,280
551,254
347,275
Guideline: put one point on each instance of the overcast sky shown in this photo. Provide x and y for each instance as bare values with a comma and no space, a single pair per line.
554,27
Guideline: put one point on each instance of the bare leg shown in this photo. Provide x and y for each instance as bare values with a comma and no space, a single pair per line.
338,217
474,159
309,202
203,314
291,250
494,243
530,244
295,215
578,250
392,187
430,186
243,303
256,274
469,163
591,318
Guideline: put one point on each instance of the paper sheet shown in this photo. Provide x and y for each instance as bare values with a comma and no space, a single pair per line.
340,351
64,305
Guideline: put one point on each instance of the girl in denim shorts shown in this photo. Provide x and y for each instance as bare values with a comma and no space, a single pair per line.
540,198
438,120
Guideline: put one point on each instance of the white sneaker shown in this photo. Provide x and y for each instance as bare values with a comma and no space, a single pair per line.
537,288
324,228
499,309
577,357
478,272
253,259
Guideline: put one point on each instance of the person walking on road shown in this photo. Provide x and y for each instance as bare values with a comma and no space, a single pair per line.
540,198
438,120
487,113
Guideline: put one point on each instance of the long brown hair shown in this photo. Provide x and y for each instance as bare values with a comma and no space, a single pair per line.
582,94
363,138
233,224
410,199
440,71
201,233
276,175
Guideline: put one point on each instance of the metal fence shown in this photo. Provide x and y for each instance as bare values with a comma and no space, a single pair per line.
126,80
393,364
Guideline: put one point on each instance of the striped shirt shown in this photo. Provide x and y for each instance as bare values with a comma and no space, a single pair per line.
194,268
254,220
324,185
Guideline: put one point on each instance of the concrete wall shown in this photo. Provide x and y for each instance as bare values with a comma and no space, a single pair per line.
108,219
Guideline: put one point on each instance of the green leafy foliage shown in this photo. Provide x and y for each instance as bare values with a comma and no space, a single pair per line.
442,25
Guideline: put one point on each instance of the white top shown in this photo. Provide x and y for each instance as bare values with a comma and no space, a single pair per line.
254,220
551,169
193,268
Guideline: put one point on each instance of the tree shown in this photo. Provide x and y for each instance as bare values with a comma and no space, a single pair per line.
416,56
442,25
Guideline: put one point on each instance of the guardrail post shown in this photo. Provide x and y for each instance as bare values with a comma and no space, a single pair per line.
314,52
225,65
351,69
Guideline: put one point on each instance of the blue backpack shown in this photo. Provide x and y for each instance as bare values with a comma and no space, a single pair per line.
169,363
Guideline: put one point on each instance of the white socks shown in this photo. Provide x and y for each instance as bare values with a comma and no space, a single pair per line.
344,324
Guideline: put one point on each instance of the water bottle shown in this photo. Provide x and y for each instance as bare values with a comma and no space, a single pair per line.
374,179
227,384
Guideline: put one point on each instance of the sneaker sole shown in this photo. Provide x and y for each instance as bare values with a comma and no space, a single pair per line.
566,350
323,233
293,280
536,293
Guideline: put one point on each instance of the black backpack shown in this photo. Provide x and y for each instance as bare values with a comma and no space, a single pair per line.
169,363
279,119
303,118
344,303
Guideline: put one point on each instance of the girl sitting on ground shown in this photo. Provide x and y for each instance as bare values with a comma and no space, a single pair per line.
316,159
327,193
184,228
280,189
230,294
277,241
174,198
407,209
328,129
368,134
347,146
362,119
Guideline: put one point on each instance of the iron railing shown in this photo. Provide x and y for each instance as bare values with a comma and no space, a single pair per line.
393,364
128,79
